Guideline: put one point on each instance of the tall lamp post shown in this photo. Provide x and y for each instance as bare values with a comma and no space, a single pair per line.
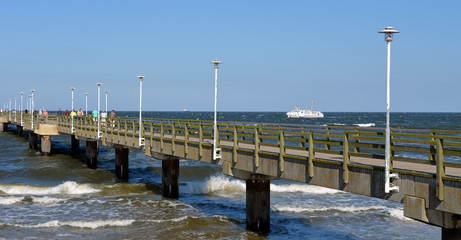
86,103
216,151
388,37
9,111
32,108
72,110
141,140
22,96
99,106
106,99
15,110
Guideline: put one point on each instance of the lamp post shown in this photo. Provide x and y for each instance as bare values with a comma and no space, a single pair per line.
32,108
216,151
388,37
106,99
22,96
15,110
86,103
9,111
141,140
99,106
72,110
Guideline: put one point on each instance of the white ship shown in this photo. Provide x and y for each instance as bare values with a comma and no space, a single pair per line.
304,113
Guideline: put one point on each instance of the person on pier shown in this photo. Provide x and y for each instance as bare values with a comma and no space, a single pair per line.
73,114
95,114
103,116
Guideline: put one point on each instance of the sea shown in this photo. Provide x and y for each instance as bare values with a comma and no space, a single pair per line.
59,197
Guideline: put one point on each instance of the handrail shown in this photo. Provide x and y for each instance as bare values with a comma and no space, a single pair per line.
429,147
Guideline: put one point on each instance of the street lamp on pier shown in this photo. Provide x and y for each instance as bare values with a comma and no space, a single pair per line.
106,99
86,103
141,139
9,111
15,110
72,130
22,97
99,106
216,151
388,37
32,108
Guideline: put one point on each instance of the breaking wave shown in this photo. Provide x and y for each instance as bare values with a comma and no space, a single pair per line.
64,188
78,224
349,209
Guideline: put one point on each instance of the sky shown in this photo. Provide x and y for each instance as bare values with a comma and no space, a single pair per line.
275,54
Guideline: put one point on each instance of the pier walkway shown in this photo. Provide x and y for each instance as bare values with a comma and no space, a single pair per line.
341,157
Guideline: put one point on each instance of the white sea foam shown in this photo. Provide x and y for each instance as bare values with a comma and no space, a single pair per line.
302,188
47,200
65,188
223,184
80,224
398,213
351,209
10,200
179,219
218,183
365,124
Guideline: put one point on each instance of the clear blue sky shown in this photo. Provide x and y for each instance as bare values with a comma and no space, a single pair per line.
276,54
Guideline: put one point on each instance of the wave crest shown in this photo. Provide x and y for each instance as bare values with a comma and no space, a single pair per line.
80,224
64,188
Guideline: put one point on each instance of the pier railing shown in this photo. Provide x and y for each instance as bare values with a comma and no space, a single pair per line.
441,148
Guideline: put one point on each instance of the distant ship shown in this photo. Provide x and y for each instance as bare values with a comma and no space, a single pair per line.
304,113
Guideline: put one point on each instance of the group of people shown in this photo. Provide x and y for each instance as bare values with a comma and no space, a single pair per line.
80,113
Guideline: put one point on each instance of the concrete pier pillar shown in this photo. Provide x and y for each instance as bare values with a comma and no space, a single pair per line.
32,140
121,162
45,144
19,130
170,174
75,144
92,154
258,204
451,233
3,127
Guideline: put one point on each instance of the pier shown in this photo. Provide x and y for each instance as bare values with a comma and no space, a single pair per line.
346,158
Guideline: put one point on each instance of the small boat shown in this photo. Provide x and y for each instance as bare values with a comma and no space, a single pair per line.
304,113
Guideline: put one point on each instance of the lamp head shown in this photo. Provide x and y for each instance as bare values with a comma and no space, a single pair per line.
216,63
72,88
388,33
99,84
141,77
22,93
106,91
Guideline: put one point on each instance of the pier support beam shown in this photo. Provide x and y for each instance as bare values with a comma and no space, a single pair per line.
92,154
451,233
45,144
32,140
75,144
3,127
19,130
258,204
121,162
170,174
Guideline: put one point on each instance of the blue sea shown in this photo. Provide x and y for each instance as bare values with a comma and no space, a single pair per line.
58,197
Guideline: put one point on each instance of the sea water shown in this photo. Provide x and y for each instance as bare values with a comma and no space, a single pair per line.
58,197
